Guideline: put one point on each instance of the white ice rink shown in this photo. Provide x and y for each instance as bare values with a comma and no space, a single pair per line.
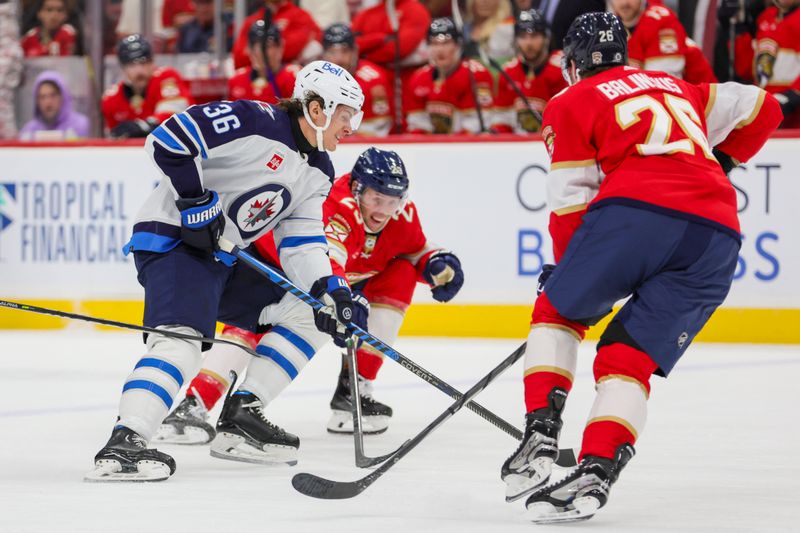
720,452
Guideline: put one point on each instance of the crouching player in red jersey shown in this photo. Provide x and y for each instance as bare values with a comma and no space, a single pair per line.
376,241
641,207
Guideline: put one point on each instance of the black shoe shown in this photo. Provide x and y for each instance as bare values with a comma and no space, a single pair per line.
187,424
126,458
245,434
579,495
530,465
374,414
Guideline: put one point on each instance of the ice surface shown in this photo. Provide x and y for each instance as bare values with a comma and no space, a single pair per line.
720,452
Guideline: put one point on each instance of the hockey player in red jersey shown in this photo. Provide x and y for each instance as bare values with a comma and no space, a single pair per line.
658,41
53,36
375,37
441,97
641,207
148,95
773,60
534,72
376,241
257,82
340,48
299,32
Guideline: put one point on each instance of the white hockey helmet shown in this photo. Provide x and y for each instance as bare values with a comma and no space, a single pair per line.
335,86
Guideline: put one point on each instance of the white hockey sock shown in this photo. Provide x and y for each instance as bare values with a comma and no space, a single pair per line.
150,389
552,348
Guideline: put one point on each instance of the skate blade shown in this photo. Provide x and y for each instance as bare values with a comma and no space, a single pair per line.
235,448
518,485
107,471
546,513
191,435
341,422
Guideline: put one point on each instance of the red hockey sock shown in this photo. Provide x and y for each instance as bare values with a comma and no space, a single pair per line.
603,437
539,384
368,364
209,388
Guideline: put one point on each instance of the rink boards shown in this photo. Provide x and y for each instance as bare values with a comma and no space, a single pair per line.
66,210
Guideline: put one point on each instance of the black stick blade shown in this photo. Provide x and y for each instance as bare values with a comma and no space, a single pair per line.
325,489
566,458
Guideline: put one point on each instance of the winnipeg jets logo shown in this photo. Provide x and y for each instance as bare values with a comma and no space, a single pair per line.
259,209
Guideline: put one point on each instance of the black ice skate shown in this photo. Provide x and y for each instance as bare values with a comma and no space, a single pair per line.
187,424
126,458
579,495
245,434
530,465
374,415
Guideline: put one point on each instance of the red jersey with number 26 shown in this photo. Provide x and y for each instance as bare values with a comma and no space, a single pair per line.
644,138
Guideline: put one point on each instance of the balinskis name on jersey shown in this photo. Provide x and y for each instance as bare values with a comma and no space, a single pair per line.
636,83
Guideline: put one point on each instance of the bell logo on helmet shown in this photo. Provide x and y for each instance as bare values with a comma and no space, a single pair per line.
330,67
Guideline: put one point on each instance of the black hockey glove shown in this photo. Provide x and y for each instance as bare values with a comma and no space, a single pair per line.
337,313
543,277
360,311
725,161
202,221
133,129
443,272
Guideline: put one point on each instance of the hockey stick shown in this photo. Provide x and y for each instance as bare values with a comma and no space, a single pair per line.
473,85
327,489
280,280
362,461
123,325
394,23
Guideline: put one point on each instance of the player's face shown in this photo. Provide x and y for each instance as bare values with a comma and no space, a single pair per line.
377,208
274,56
341,54
627,10
139,74
444,53
344,122
531,45
48,102
52,14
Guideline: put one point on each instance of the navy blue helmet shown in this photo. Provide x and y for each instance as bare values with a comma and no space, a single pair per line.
259,33
381,170
338,34
530,21
442,28
595,40
134,49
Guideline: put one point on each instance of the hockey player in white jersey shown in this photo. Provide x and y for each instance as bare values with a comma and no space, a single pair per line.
239,170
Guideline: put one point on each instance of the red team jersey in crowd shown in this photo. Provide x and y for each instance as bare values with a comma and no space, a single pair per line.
773,61
374,35
594,133
244,85
659,42
511,113
436,105
62,43
166,94
374,81
173,8
297,28
356,254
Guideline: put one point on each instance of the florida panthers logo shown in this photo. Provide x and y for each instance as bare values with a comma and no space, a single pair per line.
256,209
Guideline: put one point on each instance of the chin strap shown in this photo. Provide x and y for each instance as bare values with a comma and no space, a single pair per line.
317,129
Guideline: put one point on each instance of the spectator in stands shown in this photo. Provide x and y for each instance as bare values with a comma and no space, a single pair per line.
534,74
300,34
375,38
559,14
175,14
52,36
10,67
197,35
441,98
340,48
147,96
489,24
327,12
657,41
54,119
268,81
112,12
772,58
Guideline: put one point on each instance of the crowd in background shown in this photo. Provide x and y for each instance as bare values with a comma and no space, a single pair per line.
427,66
